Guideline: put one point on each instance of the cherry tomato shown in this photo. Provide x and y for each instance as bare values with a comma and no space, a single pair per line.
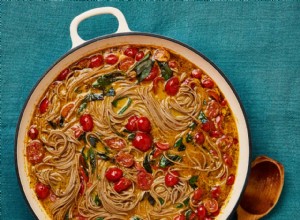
230,180
162,146
111,59
219,121
172,86
35,152
96,61
235,141
155,83
207,82
199,138
173,64
33,132
125,159
113,174
211,205
44,105
215,191
197,194
63,74
208,126
115,143
143,124
131,52
197,73
193,216
140,55
144,180
216,213
223,102
42,191
153,73
77,130
213,94
201,212
86,122
82,161
179,217
126,63
132,123
122,185
228,160
157,152
215,134
172,178
142,141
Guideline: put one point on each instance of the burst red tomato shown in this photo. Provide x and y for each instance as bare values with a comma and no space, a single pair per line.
63,74
172,178
172,86
86,122
35,152
197,73
126,63
211,205
96,61
201,212
199,138
42,191
142,141
122,184
125,159
140,55
33,132
197,195
215,191
193,216
144,180
44,105
230,180
131,52
215,134
111,59
207,82
162,146
179,217
153,73
132,123
157,152
143,124
115,143
113,174
228,160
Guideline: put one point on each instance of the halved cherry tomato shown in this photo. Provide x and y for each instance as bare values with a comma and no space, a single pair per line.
83,180
144,180
230,180
223,102
86,122
142,141
42,190
215,134
207,82
33,132
157,152
173,64
115,143
126,63
113,174
153,73
219,122
172,86
96,61
143,124
122,185
63,74
44,105
216,213
77,130
197,73
208,126
213,109
201,212
179,217
132,123
215,191
111,59
155,83
140,55
162,146
211,205
125,159
131,52
213,94
172,178
199,138
35,152
197,195
66,109
228,160
193,216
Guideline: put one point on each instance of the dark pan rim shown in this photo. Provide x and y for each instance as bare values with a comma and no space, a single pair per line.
134,34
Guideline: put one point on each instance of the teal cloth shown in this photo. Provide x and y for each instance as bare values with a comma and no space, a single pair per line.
256,45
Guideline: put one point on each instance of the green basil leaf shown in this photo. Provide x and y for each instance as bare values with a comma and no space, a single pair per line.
107,79
193,125
82,107
192,181
186,201
52,124
166,72
202,117
125,107
161,201
103,156
92,157
93,141
146,164
178,205
164,162
131,136
61,121
189,138
178,142
151,200
188,213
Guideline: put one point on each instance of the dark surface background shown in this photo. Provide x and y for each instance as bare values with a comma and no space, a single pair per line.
256,45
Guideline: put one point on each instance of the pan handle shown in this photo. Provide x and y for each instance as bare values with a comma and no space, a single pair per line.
77,40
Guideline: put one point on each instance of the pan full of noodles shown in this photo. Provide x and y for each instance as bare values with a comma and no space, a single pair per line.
132,126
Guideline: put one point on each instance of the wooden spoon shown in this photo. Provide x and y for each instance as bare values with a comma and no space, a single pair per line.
263,190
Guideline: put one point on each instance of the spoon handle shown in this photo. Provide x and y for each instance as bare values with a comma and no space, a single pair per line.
243,215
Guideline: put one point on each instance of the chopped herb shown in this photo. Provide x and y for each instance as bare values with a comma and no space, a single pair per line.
164,162
93,140
146,164
107,79
82,137
103,156
52,124
150,199
178,205
144,69
166,72
97,200
192,181
131,136
125,107
161,201
204,102
125,130
178,144
93,97
189,138
92,157
188,213
186,201
61,121
193,125
110,92
82,107
135,218
100,218
202,117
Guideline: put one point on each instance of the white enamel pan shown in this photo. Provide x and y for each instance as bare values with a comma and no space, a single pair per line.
123,36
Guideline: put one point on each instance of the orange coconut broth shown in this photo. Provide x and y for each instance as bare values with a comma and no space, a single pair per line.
163,73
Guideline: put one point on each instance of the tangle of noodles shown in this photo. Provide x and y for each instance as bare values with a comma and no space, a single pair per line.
160,123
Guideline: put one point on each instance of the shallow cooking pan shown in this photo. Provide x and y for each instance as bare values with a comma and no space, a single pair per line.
123,36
